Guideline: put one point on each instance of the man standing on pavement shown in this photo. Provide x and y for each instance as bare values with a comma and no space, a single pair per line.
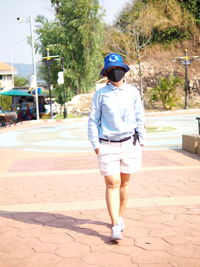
116,131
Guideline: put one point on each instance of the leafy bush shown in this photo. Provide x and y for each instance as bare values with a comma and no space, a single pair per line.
20,81
166,92
6,102
169,34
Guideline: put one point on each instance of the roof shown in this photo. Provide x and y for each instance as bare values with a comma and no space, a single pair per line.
7,69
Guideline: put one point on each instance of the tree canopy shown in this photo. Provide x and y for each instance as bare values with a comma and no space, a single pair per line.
20,81
76,36
194,7
165,20
79,36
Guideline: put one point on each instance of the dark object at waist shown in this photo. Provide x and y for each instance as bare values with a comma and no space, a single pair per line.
135,138
113,141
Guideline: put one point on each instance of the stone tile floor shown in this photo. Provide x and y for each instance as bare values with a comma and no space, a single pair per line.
53,213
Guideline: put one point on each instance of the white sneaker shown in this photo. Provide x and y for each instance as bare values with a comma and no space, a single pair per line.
121,224
116,233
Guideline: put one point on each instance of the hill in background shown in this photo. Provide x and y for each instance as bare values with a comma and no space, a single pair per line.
24,70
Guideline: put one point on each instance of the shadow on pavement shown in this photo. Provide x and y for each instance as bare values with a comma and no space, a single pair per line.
59,221
188,154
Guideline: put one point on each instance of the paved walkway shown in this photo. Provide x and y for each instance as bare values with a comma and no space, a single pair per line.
71,134
53,213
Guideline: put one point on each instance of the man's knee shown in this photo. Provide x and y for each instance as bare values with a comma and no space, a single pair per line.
125,178
112,182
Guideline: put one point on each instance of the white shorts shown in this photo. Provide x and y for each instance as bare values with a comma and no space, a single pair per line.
116,158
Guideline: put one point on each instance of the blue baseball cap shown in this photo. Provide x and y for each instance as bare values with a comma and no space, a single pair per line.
113,60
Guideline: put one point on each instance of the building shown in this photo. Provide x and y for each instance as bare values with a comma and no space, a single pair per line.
7,73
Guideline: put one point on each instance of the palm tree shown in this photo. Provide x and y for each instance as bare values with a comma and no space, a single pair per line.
166,91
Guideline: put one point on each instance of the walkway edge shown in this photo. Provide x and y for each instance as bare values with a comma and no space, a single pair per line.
100,204
88,171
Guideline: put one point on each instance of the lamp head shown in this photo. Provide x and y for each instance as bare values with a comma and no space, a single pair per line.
20,19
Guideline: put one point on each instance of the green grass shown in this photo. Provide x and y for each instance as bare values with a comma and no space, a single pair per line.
69,116
159,129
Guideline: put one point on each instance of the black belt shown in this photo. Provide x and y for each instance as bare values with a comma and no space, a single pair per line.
113,141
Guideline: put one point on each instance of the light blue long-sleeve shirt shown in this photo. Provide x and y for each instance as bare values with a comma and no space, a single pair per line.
115,114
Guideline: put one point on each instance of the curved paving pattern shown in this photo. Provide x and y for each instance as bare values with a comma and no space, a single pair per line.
71,135
53,213
68,136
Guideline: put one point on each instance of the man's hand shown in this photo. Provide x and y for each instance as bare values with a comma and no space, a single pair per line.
97,150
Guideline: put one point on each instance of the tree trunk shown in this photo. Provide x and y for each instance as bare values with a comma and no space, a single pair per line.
137,50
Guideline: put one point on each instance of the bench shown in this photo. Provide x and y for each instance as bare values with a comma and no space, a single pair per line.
191,143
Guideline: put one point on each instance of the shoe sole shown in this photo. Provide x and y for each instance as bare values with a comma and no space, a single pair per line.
116,238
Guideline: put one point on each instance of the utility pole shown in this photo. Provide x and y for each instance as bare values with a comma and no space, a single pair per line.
186,61
48,60
34,68
30,20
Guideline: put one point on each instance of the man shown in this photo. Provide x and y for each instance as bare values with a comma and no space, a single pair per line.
116,131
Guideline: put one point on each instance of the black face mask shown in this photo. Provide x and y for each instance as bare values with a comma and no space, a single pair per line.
115,75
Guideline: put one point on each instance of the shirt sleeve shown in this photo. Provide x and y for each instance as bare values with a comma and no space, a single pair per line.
94,121
139,115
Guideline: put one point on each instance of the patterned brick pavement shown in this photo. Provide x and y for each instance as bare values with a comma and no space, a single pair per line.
53,213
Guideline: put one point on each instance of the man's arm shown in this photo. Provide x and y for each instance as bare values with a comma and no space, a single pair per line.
139,115
94,122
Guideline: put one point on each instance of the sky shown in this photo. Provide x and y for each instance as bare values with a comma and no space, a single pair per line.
14,48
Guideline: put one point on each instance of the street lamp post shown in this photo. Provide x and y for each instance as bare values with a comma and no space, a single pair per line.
186,61
30,20
48,60
34,68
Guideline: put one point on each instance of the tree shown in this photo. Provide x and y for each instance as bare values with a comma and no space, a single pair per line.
149,21
6,102
76,35
136,22
62,95
166,92
20,81
176,20
193,6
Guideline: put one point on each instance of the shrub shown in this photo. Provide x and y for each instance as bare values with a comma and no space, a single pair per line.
166,92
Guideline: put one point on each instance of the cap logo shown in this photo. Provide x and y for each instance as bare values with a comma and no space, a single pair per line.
113,58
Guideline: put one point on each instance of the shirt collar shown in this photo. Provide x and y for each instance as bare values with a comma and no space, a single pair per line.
112,87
